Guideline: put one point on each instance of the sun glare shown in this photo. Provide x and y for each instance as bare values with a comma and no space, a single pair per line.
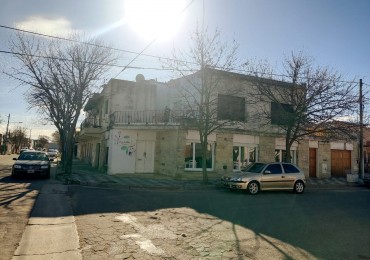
151,19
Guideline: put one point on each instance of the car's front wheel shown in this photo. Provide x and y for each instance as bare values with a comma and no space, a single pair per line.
299,187
253,188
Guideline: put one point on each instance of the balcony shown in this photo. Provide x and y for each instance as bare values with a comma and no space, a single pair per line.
91,126
151,117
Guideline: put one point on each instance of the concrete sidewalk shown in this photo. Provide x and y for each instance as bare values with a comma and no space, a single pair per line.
83,174
51,231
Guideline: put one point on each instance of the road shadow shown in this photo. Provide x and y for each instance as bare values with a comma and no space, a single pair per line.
317,223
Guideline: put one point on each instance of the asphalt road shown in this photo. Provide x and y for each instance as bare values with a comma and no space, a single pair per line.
221,224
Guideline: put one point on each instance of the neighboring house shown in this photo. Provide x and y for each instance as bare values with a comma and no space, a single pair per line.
366,151
142,127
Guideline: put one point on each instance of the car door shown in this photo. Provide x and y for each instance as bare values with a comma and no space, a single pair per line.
290,173
272,177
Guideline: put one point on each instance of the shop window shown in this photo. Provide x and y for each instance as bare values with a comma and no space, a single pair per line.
243,156
280,155
193,156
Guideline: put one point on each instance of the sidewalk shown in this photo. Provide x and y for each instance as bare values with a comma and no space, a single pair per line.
83,174
51,231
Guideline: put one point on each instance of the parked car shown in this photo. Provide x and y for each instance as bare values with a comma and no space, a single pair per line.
53,153
23,149
267,176
32,163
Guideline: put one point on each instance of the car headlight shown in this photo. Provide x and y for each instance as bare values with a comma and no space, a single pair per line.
17,166
44,166
239,179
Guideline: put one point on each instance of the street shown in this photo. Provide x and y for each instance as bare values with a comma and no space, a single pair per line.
221,224
199,224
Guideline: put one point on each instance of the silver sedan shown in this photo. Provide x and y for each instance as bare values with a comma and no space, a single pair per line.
267,176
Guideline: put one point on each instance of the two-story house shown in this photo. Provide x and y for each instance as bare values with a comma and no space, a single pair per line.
145,127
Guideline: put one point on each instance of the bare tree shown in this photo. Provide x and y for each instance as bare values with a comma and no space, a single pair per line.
18,138
61,76
42,141
199,91
313,102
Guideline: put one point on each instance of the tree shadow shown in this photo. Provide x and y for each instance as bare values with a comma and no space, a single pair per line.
284,220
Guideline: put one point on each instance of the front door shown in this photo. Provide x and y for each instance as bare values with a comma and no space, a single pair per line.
340,162
312,167
144,157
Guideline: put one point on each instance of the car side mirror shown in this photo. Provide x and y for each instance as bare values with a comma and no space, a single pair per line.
267,172
15,159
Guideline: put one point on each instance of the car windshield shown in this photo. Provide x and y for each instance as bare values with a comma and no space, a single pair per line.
254,167
33,157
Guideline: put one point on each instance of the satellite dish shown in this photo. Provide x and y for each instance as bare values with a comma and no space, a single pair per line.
140,78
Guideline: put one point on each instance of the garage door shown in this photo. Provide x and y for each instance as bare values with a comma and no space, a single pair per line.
340,162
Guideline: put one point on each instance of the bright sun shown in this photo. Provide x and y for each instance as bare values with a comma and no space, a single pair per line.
150,19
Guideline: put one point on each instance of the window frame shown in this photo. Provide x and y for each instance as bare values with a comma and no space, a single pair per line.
195,166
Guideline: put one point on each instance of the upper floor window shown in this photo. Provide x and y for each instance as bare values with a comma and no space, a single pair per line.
281,113
231,108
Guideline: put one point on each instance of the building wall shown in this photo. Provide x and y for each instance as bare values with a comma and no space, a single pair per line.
323,160
169,152
303,160
224,151
266,149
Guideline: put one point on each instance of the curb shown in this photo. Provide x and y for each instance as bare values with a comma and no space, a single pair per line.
69,180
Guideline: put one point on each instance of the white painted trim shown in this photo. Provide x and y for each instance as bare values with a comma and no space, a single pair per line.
245,139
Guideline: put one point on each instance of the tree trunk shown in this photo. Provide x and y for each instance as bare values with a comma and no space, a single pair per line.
287,158
204,160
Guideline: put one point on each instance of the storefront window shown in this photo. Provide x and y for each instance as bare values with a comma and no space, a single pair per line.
281,154
193,156
243,155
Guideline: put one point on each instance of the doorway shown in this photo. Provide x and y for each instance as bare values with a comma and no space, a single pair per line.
144,157
312,166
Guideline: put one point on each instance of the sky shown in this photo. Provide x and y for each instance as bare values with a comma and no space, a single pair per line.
335,33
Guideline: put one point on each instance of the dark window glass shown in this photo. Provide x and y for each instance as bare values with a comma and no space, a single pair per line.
231,108
274,169
288,168
281,114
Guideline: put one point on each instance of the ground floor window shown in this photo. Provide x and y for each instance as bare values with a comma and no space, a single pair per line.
280,155
193,156
244,155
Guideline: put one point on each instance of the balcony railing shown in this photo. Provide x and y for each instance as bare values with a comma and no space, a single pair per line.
91,122
150,117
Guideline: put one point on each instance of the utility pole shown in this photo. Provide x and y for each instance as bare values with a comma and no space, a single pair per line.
7,128
6,137
361,163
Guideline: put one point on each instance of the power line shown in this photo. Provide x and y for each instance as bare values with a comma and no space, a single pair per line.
150,43
88,62
140,54
92,44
